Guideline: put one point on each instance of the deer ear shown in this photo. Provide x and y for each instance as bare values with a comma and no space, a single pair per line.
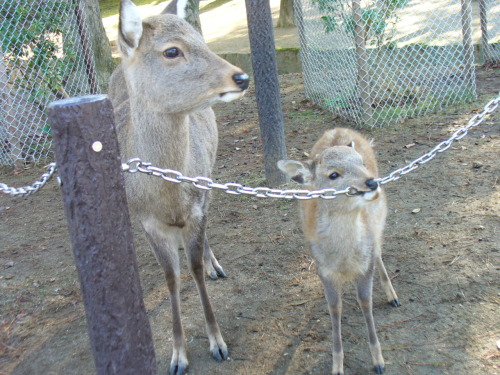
296,170
130,28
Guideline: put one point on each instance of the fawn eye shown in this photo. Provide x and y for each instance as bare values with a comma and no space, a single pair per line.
334,176
172,53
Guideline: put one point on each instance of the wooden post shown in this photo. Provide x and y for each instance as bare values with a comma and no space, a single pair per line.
267,88
88,163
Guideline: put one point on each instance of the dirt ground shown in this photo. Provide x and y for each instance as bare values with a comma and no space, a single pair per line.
441,249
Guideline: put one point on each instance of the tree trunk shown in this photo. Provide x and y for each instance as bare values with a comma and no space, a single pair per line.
101,50
191,13
484,32
286,18
9,122
260,31
363,66
467,40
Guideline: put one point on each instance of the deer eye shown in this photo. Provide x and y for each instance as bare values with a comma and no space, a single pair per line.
172,53
334,176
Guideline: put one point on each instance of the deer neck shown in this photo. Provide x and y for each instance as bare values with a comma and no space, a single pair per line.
161,138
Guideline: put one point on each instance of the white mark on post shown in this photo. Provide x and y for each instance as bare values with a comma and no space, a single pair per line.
97,146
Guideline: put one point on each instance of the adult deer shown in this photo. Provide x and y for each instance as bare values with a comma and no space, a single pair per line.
162,94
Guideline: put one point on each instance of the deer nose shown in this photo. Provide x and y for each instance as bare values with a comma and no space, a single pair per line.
242,80
372,184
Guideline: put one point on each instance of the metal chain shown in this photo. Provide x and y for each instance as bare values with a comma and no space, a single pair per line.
137,165
28,190
443,146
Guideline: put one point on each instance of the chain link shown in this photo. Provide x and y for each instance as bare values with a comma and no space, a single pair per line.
28,190
137,165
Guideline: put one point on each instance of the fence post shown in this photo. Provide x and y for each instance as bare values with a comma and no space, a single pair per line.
88,163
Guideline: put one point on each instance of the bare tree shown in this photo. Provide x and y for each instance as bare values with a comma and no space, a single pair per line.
101,50
286,18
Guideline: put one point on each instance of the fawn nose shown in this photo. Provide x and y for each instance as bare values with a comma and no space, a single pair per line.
372,184
242,80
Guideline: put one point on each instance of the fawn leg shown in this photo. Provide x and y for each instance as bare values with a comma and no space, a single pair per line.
195,246
364,286
392,297
334,300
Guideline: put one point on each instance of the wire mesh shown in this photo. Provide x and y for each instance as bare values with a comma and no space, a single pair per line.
375,62
45,56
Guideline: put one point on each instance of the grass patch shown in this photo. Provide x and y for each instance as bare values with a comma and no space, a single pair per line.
212,5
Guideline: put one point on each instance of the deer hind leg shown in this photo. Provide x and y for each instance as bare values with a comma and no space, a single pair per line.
364,286
212,266
165,243
392,297
334,300
195,240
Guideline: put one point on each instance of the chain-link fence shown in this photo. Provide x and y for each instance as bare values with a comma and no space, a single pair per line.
378,61
45,56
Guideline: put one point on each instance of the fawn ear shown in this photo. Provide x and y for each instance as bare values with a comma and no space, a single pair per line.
130,28
296,170
177,7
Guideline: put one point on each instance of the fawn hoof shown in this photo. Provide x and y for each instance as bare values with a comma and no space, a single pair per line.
379,369
178,368
220,354
395,303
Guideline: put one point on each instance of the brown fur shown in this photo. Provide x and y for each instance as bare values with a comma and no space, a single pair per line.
345,233
163,115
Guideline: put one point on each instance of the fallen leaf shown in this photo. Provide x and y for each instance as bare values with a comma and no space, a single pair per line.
416,211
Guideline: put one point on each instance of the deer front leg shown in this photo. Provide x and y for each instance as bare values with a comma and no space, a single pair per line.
195,241
392,297
334,300
364,286
165,246
212,266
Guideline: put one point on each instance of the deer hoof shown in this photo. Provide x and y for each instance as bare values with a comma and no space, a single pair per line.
379,369
220,354
215,274
221,273
178,368
395,303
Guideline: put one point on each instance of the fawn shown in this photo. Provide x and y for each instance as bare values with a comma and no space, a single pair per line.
162,94
345,233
